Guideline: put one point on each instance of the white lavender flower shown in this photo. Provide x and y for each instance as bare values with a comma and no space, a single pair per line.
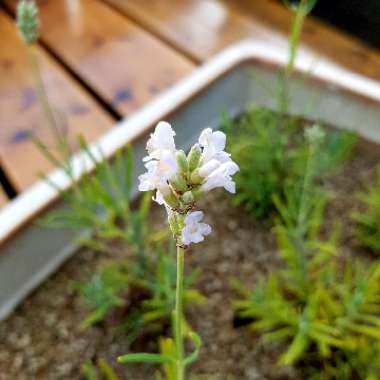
213,144
194,230
159,171
219,175
180,180
161,162
161,139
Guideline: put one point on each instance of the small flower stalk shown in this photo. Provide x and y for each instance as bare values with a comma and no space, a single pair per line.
179,182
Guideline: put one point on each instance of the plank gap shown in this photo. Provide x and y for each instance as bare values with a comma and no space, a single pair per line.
86,86
149,29
20,111
7,185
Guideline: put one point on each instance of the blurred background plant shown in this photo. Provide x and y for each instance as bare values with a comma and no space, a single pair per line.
368,219
144,291
269,145
324,309
101,370
270,150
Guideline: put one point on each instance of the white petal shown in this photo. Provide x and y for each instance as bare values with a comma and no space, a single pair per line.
230,186
210,166
186,237
194,231
219,140
205,136
205,229
161,138
197,237
222,157
231,167
213,144
193,217
145,184
221,177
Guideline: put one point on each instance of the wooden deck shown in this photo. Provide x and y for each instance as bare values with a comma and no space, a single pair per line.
103,59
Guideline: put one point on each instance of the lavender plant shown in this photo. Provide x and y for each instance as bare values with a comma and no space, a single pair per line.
179,182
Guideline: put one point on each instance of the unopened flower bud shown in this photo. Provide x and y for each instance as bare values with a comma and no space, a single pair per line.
168,196
188,197
27,21
195,178
197,193
315,134
194,157
182,162
179,184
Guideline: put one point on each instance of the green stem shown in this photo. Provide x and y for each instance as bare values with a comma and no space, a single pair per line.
295,36
301,228
63,145
305,189
178,314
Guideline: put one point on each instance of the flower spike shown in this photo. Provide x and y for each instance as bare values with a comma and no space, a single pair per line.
180,180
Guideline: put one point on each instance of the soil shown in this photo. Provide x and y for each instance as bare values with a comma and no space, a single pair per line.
43,340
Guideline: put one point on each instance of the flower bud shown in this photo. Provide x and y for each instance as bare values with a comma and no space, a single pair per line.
197,193
194,157
27,21
188,197
179,184
315,134
168,196
195,178
182,162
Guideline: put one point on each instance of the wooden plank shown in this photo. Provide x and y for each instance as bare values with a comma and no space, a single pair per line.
120,61
198,28
326,40
20,110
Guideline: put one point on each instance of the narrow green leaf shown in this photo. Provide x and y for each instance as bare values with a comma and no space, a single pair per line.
144,358
195,338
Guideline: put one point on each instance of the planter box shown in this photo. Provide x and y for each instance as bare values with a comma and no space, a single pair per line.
241,75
